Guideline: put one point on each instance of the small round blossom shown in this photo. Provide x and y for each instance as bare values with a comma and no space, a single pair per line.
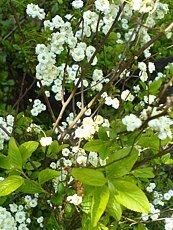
151,67
78,54
75,199
167,196
20,217
40,219
77,4
149,99
46,141
102,5
143,76
127,96
33,203
132,122
142,66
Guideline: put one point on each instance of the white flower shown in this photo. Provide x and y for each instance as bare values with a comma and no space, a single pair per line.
151,67
75,199
77,4
102,5
20,217
149,99
33,203
115,103
78,54
98,120
132,122
127,96
81,160
13,207
167,196
45,141
40,219
57,22
142,66
170,192
144,216
108,101
35,11
143,76
27,198
65,152
23,227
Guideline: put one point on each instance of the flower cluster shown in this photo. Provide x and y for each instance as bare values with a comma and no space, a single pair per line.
35,11
90,126
162,126
132,122
38,107
7,124
7,221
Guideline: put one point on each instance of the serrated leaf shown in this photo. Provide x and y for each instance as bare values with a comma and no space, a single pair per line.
27,149
10,184
89,176
121,167
98,146
99,203
114,208
144,172
130,196
14,155
47,174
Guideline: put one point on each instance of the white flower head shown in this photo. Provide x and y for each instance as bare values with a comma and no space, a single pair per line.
75,199
132,122
46,141
77,4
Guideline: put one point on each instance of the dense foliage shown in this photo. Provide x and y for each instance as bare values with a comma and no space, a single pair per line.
86,114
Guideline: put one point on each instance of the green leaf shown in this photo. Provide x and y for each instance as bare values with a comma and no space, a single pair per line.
89,176
130,196
4,162
102,147
144,172
52,223
154,86
114,208
27,149
166,159
14,155
47,174
31,187
102,133
121,167
99,203
10,184
150,142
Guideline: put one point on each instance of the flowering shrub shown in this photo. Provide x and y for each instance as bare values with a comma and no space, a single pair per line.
91,148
